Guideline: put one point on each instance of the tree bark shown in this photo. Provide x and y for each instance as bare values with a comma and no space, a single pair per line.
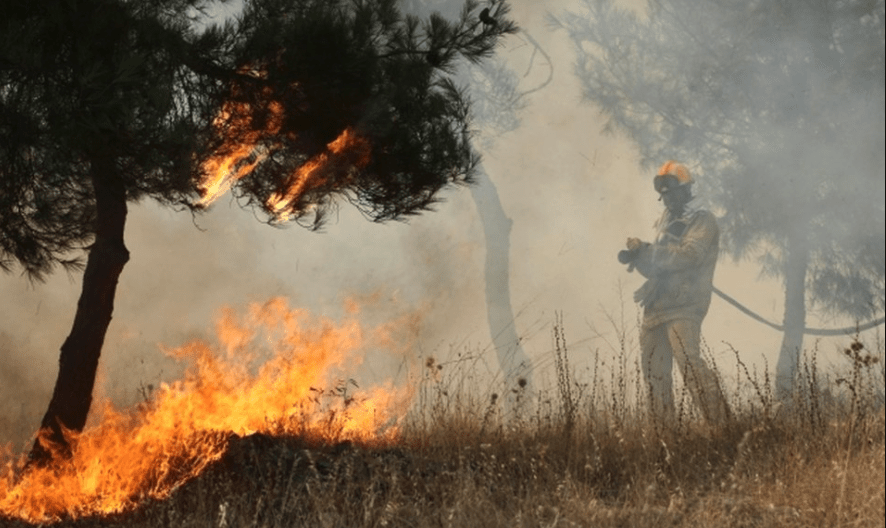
794,315
512,359
80,352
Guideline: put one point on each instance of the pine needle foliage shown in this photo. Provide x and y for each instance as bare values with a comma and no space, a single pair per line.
144,83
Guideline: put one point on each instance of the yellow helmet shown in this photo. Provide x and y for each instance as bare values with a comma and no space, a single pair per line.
677,170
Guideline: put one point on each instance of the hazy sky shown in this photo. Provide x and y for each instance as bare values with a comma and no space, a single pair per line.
574,197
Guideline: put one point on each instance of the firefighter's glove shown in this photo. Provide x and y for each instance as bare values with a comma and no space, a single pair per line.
647,293
629,256
626,256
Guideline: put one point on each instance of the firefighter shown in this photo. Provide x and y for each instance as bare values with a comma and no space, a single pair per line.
679,270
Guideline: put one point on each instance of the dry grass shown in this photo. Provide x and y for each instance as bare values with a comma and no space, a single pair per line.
584,457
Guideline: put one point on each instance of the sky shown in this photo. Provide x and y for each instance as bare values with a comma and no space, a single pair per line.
573,194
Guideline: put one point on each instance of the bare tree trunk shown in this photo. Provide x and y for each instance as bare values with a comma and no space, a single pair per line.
794,315
80,352
512,359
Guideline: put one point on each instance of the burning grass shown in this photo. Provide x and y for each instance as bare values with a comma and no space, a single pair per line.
584,455
266,375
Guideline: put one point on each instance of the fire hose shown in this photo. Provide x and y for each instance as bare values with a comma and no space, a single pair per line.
808,331
629,256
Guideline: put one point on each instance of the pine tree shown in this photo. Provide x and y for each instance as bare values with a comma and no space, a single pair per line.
497,102
293,104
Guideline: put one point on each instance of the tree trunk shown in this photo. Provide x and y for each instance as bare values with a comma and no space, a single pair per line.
80,352
512,359
794,315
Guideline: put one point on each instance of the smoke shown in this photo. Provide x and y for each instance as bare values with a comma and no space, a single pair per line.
573,193
779,107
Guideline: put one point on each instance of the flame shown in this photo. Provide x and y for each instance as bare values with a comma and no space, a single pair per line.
248,147
243,150
348,147
147,452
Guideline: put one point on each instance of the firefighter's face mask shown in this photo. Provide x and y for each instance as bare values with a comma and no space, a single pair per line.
665,184
671,191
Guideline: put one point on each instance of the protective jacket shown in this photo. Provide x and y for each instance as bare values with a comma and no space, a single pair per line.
679,267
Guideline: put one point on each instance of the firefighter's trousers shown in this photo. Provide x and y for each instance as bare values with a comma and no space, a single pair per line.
679,339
